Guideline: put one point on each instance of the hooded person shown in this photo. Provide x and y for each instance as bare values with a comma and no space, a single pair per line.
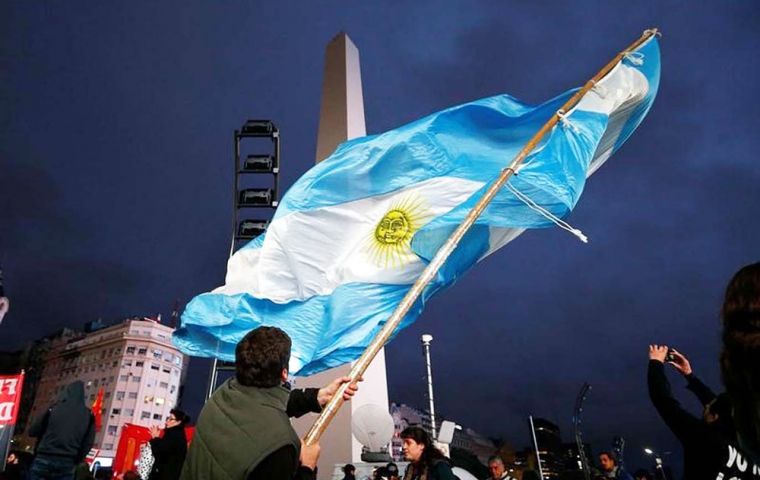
65,433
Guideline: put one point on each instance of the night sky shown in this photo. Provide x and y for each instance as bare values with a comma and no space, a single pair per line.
115,182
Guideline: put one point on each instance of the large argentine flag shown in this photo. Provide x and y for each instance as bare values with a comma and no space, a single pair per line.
351,236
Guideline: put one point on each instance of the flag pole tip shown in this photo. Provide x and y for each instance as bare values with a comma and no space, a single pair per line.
653,32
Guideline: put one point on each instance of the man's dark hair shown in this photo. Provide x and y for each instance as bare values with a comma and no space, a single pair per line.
260,357
610,455
421,436
181,416
495,458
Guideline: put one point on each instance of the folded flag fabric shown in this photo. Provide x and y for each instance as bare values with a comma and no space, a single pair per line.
354,232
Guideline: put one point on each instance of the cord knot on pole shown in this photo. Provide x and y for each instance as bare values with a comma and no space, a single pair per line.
599,89
652,31
566,122
636,58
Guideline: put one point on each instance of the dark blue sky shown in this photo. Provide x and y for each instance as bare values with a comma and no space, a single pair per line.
115,168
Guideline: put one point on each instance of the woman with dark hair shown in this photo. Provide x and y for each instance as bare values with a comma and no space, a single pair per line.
171,449
740,358
426,461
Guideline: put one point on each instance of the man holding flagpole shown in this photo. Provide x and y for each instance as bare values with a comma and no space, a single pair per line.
243,432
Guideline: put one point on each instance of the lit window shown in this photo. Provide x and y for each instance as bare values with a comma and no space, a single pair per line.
159,400
148,398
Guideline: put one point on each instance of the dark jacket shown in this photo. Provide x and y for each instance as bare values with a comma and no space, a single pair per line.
243,433
169,452
709,450
67,429
440,469
279,463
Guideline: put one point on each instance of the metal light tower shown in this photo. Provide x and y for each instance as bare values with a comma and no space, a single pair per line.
426,339
577,429
535,446
248,166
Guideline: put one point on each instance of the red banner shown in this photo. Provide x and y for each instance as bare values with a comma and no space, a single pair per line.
131,439
97,410
128,451
10,398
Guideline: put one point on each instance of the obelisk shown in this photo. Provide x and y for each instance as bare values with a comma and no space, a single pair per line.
341,118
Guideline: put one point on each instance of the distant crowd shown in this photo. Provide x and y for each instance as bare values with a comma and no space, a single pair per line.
244,432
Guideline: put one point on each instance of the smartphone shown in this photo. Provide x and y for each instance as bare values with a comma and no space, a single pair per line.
669,357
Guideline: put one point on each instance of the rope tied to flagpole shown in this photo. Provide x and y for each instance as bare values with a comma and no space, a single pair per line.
636,58
566,123
599,89
652,31
546,213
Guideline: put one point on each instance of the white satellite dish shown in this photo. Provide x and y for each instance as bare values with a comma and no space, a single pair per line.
463,474
372,426
446,432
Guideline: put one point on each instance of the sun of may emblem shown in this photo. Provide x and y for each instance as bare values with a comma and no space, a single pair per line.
390,243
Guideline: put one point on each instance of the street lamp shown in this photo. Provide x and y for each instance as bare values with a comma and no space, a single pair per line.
426,339
657,462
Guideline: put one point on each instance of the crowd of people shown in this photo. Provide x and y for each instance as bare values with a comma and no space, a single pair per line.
244,431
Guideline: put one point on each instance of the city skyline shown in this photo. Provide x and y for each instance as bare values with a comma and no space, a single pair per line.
115,183
133,362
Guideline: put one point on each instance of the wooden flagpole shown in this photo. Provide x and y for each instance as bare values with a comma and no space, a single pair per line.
361,365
